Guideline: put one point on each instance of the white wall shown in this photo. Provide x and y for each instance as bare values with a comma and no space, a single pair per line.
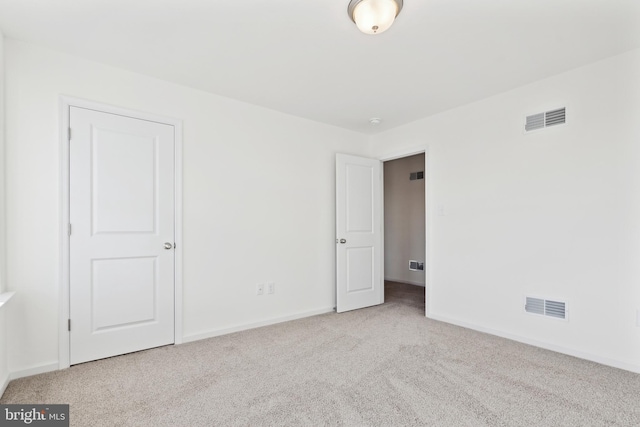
4,367
3,276
553,213
404,219
258,199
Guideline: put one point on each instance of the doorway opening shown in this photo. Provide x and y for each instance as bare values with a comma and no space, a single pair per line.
405,231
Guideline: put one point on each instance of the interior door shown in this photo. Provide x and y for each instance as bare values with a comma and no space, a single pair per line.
359,251
122,234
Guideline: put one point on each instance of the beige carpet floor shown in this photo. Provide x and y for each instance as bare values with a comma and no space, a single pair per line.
381,366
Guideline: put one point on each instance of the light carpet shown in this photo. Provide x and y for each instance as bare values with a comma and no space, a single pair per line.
381,366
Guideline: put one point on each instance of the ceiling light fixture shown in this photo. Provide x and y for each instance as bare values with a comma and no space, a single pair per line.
374,16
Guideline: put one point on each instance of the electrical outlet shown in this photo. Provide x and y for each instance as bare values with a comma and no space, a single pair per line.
271,288
260,289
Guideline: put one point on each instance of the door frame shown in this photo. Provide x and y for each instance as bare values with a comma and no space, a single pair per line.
65,104
427,265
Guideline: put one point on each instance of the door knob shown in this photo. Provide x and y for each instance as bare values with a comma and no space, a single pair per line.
168,245
343,241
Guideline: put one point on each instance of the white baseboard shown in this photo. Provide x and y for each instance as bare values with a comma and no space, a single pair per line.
620,364
407,282
252,325
4,382
48,367
40,369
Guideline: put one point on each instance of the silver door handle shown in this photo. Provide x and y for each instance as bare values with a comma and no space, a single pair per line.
343,241
168,245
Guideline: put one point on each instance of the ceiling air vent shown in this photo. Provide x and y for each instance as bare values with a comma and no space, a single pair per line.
545,307
545,120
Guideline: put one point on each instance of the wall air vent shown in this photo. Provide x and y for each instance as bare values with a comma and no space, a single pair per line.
416,175
534,122
545,120
416,265
555,117
545,307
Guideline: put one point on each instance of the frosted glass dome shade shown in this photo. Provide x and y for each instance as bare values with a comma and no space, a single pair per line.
374,16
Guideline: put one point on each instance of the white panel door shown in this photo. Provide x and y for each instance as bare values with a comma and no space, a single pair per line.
122,214
359,232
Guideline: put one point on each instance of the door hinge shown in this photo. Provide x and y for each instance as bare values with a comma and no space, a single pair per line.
69,133
69,325
69,229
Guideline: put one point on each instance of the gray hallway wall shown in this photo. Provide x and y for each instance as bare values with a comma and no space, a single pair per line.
404,220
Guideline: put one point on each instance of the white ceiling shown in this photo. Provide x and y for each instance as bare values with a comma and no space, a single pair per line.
307,58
